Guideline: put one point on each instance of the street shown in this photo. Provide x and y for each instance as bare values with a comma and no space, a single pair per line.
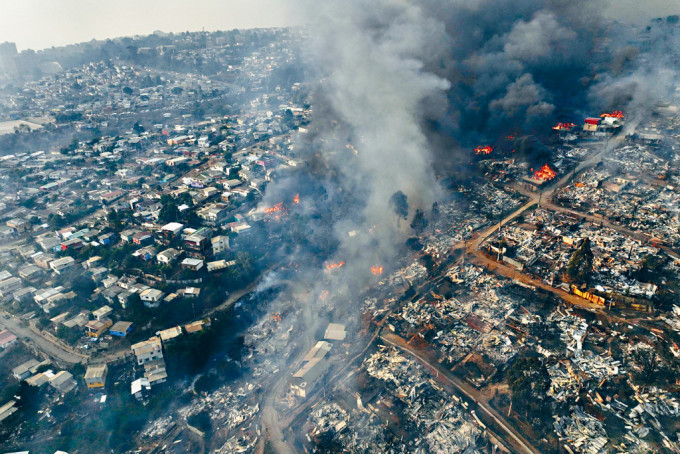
40,343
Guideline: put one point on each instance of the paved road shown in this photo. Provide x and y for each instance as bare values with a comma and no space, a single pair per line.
472,247
40,343
510,434
546,195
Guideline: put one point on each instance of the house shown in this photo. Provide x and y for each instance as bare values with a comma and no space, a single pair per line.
313,365
145,253
219,265
62,264
198,240
6,339
111,197
155,373
95,376
219,244
124,296
95,328
126,235
172,229
591,124
140,387
190,292
238,227
197,326
102,312
170,333
79,320
25,370
71,243
168,256
107,239
121,328
10,285
7,409
38,380
63,382
203,142
61,318
18,224
176,161
48,243
148,350
91,262
213,213
142,238
151,297
192,264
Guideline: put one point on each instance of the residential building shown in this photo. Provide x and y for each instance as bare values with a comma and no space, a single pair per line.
148,350
6,339
102,313
95,328
95,376
170,333
168,256
121,328
192,264
219,244
313,365
172,229
7,409
62,264
63,382
139,387
151,297
213,213
25,370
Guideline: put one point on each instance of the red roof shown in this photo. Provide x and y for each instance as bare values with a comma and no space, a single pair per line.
593,121
6,337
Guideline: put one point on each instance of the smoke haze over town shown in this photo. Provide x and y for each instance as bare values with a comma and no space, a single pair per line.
397,226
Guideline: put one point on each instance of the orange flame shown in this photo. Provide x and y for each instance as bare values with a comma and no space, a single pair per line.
333,266
483,150
296,199
563,126
616,114
545,173
376,270
278,208
276,317
324,295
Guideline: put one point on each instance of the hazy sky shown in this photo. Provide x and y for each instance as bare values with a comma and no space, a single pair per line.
38,24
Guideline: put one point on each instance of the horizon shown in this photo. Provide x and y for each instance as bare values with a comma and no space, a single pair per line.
38,24
41,24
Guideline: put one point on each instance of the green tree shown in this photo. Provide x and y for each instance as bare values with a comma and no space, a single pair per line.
399,204
529,382
169,212
580,266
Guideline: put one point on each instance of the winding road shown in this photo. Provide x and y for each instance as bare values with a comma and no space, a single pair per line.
39,342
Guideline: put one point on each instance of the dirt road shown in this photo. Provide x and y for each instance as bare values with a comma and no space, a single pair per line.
509,434
40,343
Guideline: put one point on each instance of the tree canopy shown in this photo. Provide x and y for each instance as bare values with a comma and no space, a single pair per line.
580,266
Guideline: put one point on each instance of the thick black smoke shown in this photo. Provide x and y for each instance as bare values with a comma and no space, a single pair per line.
408,86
